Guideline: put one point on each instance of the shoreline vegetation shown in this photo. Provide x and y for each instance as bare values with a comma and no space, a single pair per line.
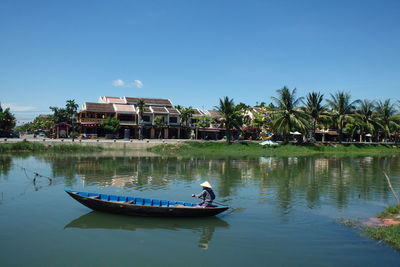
26,146
389,228
254,149
209,148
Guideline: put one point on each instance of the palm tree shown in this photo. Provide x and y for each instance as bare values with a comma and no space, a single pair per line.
365,118
72,110
232,116
342,109
315,110
159,123
141,106
388,119
185,116
287,116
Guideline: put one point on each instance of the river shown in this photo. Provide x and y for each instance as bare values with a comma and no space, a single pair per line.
284,210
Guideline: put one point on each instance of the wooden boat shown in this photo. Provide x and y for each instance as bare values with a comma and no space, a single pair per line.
136,206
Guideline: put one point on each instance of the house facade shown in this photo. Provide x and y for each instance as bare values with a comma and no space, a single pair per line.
126,110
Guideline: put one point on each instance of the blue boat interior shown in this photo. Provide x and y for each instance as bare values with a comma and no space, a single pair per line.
134,200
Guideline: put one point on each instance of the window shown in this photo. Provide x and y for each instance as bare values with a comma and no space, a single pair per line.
146,118
125,117
173,119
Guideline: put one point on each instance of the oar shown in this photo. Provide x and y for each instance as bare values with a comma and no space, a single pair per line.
219,203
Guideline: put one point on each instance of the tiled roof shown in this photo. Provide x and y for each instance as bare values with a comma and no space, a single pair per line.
115,100
159,110
130,109
197,112
173,111
149,101
214,113
147,110
98,107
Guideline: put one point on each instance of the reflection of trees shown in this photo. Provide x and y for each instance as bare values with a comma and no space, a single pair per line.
310,179
5,164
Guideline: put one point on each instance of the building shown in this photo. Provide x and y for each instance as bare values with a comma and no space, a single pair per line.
126,110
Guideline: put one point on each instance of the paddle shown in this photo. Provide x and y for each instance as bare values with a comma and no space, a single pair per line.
214,201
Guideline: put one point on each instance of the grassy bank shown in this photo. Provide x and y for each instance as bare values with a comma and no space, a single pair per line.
254,149
389,234
26,146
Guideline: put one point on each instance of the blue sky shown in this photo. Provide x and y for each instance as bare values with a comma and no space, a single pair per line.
194,52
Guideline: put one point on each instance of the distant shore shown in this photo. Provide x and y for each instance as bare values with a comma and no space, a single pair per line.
198,147
255,149
36,144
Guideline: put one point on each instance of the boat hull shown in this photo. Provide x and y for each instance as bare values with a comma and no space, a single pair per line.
126,208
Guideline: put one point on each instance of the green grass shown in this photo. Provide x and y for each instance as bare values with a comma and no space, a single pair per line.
26,146
389,234
253,148
390,212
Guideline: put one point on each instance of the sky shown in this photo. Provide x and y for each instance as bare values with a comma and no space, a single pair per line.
194,52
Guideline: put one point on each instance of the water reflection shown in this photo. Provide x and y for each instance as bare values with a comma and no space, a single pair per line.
5,165
205,227
284,180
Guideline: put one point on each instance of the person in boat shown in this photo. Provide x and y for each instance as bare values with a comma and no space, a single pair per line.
207,195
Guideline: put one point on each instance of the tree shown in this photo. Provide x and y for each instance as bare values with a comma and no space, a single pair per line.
42,122
110,125
231,116
388,119
204,121
315,110
365,118
159,123
186,115
141,106
287,116
7,121
342,109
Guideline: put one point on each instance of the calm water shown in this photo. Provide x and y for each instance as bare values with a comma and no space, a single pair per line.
284,211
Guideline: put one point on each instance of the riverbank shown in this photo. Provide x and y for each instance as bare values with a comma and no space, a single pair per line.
387,227
254,149
43,144
26,146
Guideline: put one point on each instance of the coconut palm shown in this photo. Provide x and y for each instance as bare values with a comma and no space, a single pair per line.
315,110
287,116
365,118
388,119
185,116
342,108
159,123
231,116
140,106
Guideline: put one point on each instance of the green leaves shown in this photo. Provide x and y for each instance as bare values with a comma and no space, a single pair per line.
111,124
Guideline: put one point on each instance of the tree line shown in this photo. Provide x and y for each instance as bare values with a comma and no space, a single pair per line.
289,113
286,113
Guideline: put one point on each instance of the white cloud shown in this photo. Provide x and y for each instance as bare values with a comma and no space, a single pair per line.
118,83
17,108
121,83
138,83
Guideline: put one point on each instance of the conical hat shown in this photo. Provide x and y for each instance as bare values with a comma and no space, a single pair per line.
206,184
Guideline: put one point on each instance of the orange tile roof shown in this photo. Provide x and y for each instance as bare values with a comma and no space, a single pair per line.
99,107
149,101
124,108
